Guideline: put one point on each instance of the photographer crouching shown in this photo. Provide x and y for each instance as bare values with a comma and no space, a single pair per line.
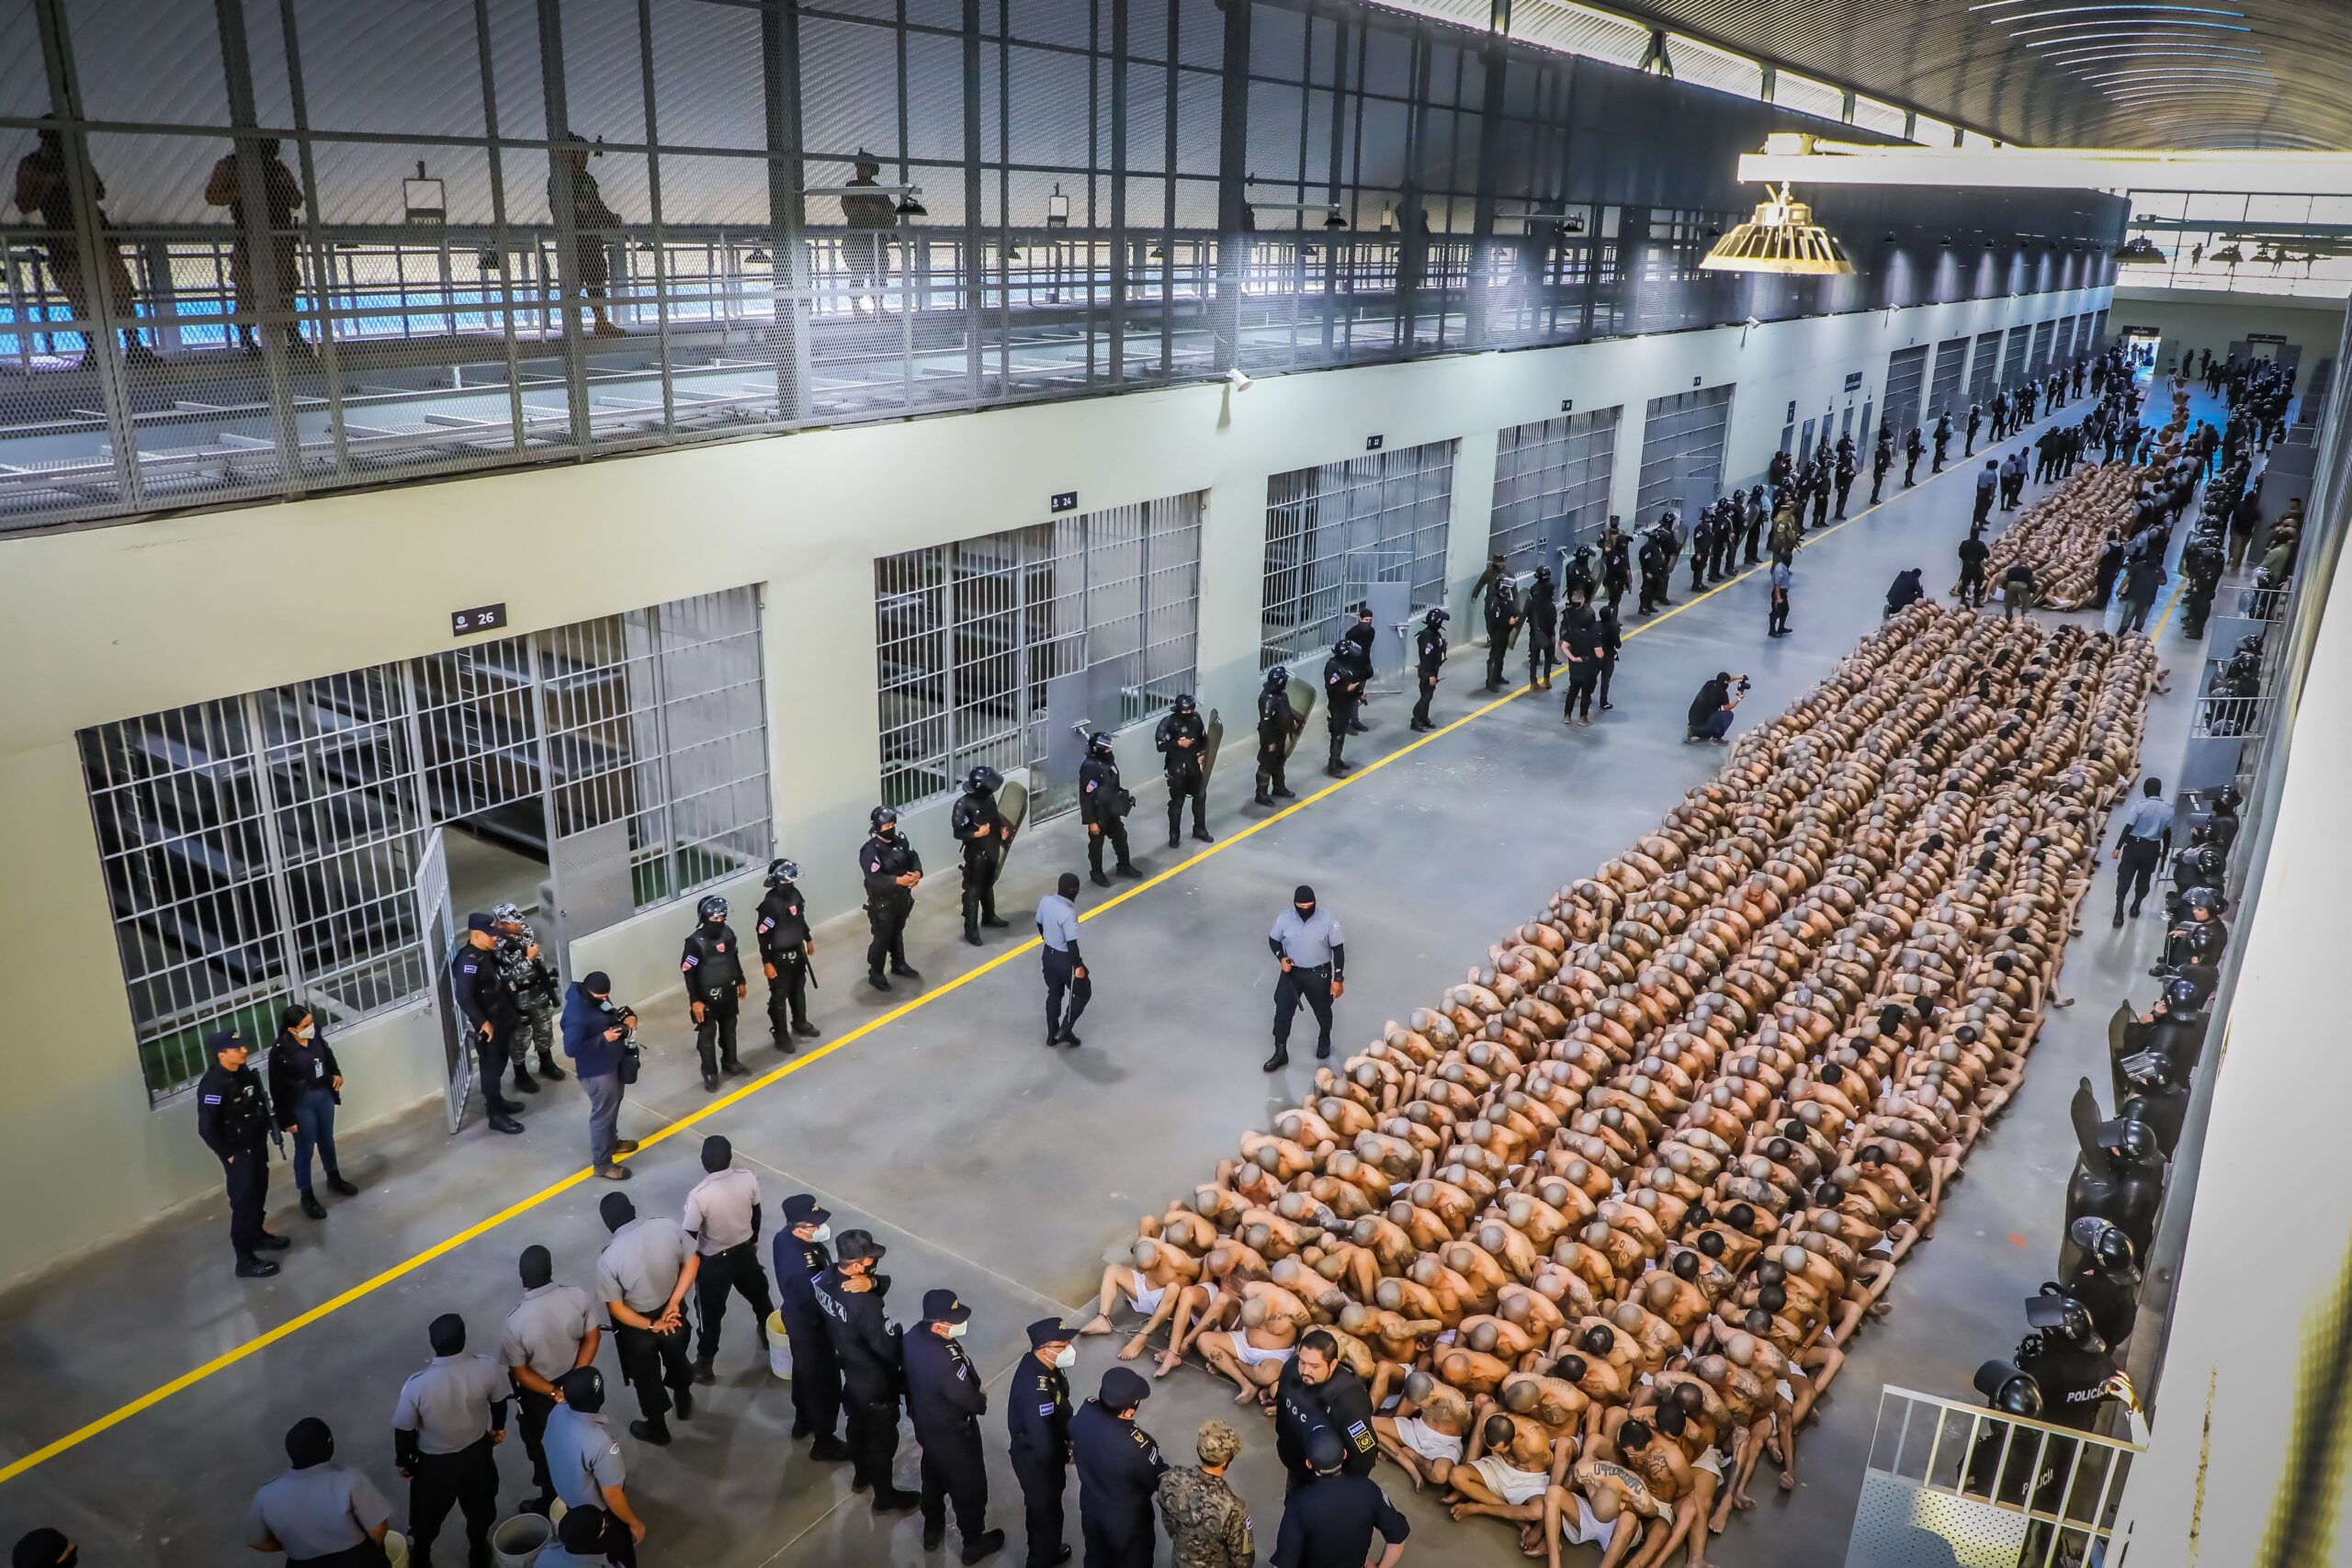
1710,717
599,1035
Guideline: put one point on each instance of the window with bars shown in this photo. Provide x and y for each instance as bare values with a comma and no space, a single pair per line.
2013,358
1333,529
1682,449
1551,484
1951,365
1906,369
969,635
1984,375
263,848
2044,333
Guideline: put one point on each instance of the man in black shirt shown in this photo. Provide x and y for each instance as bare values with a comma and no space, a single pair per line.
1119,1469
1317,1393
1973,551
1429,660
982,833
233,1118
1037,1414
1329,1522
945,1400
712,963
800,1256
1710,717
1103,803
1180,739
867,1346
891,870
488,1007
786,950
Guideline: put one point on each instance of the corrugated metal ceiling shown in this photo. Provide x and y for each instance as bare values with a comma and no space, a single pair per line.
2066,73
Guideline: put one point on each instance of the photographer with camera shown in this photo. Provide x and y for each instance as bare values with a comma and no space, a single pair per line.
1710,717
600,1037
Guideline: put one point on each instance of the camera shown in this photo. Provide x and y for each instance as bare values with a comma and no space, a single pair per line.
1741,685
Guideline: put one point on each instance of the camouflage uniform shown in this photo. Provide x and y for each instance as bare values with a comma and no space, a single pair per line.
536,995
1208,1526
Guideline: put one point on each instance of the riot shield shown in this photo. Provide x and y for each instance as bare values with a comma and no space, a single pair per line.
1302,708
1210,741
1013,804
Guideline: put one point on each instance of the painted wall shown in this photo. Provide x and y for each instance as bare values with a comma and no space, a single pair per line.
108,622
2193,319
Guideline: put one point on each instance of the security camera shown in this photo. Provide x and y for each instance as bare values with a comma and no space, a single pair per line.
1237,381
1751,322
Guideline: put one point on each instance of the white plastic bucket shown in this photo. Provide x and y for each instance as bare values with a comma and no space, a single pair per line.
517,1541
779,1346
395,1549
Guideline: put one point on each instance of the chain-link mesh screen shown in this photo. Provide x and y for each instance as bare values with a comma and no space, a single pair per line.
269,246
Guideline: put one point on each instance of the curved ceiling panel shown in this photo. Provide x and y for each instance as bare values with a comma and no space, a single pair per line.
2067,73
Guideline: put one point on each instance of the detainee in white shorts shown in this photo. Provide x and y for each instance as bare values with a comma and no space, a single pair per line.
1250,1355
1583,1529
1427,1441
1510,1483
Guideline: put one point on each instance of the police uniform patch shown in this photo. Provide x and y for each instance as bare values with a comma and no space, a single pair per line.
722,947
211,1100
1047,1409
688,962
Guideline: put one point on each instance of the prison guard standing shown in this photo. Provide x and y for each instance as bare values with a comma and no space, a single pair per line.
1037,1415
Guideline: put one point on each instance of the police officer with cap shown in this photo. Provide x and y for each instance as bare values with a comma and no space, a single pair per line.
450,1417
712,962
233,1118
320,1515
945,1402
1428,660
788,954
723,1216
983,832
642,1277
891,870
1038,1413
1179,739
1119,1469
586,1463
581,1540
1329,1522
1277,722
868,1346
549,1333
1103,804
1344,684
801,1254
488,1009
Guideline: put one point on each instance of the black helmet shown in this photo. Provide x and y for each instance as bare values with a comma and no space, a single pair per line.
1278,677
982,778
883,814
2203,898
1437,617
2226,800
1099,743
712,908
1185,703
2064,1319
2131,1139
2009,1389
783,871
2145,1071
2103,1240
1343,649
2179,995
1542,574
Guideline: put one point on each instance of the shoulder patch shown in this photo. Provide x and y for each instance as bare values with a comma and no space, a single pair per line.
211,1100
688,962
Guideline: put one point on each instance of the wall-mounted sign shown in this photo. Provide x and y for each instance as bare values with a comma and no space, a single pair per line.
1063,501
2267,337
1695,380
481,618
1853,380
1791,418
1371,442
1567,405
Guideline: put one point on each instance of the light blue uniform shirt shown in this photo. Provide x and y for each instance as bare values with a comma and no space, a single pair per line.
1307,943
2150,819
1057,922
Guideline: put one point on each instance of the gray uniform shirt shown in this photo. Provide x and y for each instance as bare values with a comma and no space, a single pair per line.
718,1209
316,1512
641,1263
1057,922
1308,943
448,1402
545,1330
582,1457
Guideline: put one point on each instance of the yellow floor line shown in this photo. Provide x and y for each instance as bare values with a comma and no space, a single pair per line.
407,1266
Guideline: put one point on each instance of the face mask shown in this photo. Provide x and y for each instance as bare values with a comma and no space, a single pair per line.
956,1330
821,1233
305,1032
1067,1359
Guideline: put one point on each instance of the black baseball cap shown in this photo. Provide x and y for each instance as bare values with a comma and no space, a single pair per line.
480,923
851,1246
1049,1331
1122,1388
802,1209
943,1306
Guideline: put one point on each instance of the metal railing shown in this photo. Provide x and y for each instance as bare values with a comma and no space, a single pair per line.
1998,1491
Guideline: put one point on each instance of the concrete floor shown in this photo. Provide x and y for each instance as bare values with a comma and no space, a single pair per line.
997,1168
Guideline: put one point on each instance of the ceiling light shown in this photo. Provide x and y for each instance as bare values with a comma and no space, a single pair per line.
2148,35
2077,26
2191,72
1781,238
2090,53
2078,10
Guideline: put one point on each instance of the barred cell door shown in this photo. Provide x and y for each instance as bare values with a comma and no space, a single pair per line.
439,925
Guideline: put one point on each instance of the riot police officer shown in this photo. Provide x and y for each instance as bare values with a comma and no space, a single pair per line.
1652,559
1578,576
1103,804
1179,739
1502,624
801,1254
787,951
538,996
1882,459
1428,660
1845,471
712,962
1119,1469
1943,441
2107,1279
1912,446
1976,423
1037,1414
945,1402
891,870
488,1010
867,1346
233,1118
1344,684
2068,1360
983,832
1616,563
1543,628
1277,722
